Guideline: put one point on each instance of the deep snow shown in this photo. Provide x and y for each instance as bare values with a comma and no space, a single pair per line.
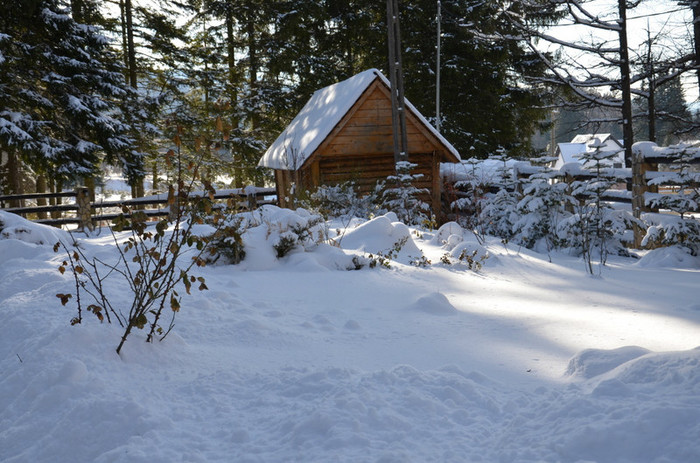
296,360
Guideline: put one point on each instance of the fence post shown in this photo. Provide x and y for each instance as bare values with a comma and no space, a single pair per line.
252,198
82,200
173,204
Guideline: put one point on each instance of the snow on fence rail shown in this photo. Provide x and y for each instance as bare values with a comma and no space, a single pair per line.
246,198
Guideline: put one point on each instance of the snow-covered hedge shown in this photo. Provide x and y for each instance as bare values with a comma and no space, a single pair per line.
538,211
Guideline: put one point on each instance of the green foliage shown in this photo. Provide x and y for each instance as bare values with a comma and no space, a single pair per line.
60,90
286,243
384,258
486,106
343,201
403,198
227,242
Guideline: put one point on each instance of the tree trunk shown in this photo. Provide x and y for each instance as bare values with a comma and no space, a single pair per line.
252,65
77,7
696,35
125,40
627,131
625,85
130,48
41,187
398,116
14,177
233,93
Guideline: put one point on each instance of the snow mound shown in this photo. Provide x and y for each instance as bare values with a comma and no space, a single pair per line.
382,235
593,362
435,304
268,225
473,253
669,257
448,235
679,370
14,227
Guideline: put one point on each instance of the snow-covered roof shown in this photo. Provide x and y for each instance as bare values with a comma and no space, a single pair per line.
586,138
320,115
571,152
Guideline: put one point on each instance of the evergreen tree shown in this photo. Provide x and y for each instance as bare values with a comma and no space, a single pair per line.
488,105
671,115
60,88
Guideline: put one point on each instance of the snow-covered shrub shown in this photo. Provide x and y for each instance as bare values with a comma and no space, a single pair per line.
468,185
674,231
285,229
384,258
499,213
343,201
687,198
285,243
227,242
539,212
595,227
472,254
402,197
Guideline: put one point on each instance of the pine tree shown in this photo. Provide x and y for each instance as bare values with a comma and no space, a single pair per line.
489,106
60,88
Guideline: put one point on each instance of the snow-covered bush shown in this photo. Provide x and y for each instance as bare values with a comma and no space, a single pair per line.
682,230
687,182
499,213
674,231
471,254
402,197
227,242
539,212
595,227
471,186
285,230
343,201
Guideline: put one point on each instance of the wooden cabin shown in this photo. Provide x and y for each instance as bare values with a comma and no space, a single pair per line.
344,133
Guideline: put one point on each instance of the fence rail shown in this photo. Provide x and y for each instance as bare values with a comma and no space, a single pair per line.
86,214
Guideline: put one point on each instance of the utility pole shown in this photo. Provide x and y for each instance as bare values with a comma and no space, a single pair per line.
398,102
437,70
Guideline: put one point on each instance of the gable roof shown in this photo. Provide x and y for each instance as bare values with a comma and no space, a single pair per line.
570,152
586,138
320,115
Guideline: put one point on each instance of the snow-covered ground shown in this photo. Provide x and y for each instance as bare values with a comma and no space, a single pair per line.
298,360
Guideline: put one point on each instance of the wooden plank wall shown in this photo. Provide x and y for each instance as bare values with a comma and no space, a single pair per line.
369,130
366,170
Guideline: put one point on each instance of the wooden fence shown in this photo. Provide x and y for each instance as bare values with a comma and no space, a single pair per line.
85,215
647,169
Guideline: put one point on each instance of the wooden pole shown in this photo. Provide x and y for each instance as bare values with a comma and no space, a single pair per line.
398,113
82,200
437,70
